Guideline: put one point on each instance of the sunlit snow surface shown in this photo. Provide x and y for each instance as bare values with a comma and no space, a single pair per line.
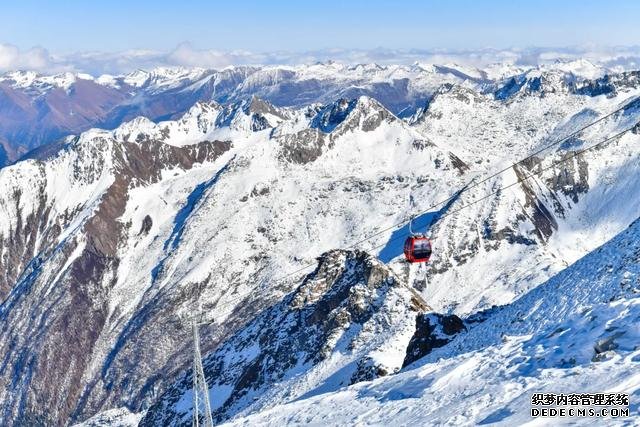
543,342
251,216
120,417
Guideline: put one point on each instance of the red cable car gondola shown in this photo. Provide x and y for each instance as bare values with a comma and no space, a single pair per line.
417,248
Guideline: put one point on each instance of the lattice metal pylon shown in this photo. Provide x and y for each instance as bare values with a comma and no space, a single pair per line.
201,405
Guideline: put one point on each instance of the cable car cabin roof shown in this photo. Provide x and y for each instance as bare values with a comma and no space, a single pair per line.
417,249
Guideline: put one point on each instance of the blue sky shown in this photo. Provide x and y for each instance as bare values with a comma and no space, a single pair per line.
261,26
115,36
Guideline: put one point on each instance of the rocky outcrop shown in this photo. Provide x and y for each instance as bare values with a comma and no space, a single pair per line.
536,83
433,330
365,114
329,117
303,147
340,326
259,113
609,84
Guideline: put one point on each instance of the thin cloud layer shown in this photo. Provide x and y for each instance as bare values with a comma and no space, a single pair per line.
186,55
36,58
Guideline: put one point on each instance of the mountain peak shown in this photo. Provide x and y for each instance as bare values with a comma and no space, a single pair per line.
364,112
330,116
136,130
257,105
253,115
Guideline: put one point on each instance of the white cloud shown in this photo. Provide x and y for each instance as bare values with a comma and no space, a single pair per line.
185,55
12,58
96,63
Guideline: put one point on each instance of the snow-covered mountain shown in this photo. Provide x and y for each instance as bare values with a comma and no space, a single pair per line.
37,110
350,320
578,331
110,239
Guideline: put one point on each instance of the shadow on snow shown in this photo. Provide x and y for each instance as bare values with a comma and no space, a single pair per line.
421,224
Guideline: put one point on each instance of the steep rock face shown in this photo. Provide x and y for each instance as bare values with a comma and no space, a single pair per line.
304,146
64,289
433,330
365,113
332,115
28,233
350,320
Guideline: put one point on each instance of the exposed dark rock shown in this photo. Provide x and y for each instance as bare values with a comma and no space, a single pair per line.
433,330
609,84
420,144
260,190
147,223
368,370
333,114
461,166
346,295
539,85
303,147
345,115
262,107
543,220
572,176
31,235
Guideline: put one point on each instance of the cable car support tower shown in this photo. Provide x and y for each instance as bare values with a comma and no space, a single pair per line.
201,405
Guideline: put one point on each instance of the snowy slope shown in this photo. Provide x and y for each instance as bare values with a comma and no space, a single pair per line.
153,231
120,417
482,290
578,332
350,320
112,240
542,224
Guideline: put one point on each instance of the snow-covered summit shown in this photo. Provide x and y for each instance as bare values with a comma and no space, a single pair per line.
30,80
579,67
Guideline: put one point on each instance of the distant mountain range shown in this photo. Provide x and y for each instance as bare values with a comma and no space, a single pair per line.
37,110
